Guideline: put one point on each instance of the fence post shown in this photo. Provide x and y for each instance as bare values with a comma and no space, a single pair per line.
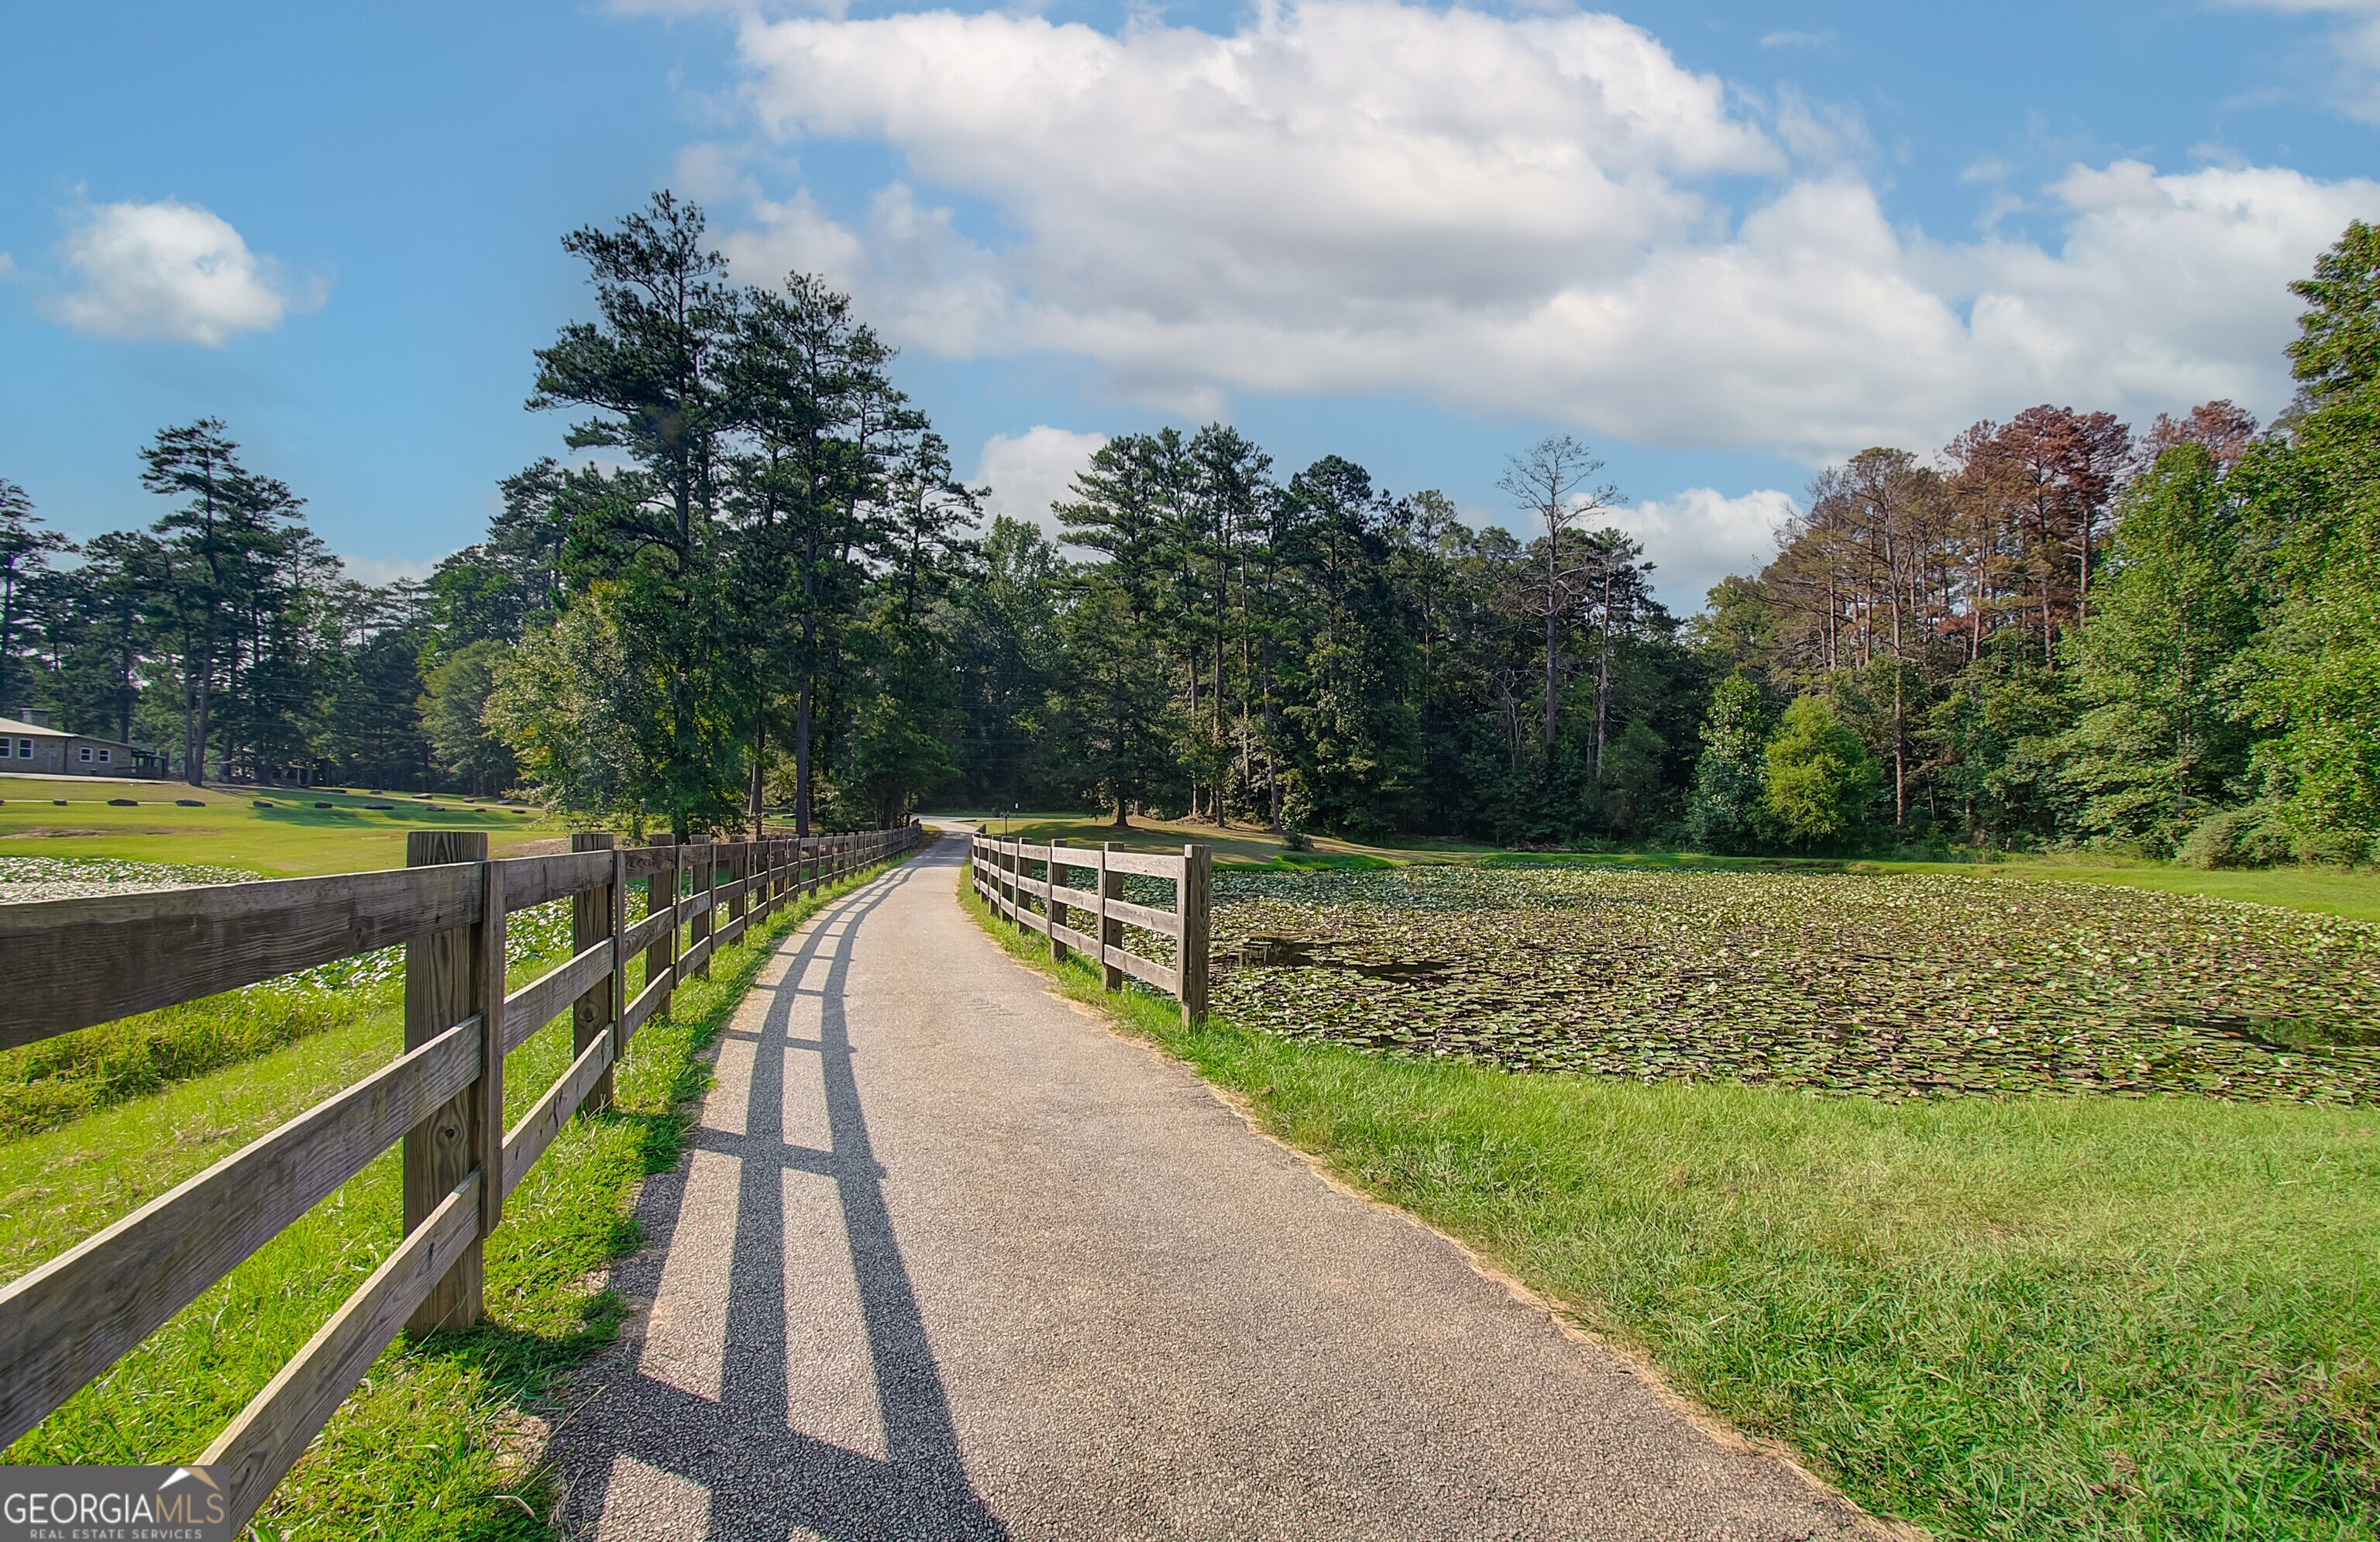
1197,903
706,874
1057,913
661,956
1110,930
444,983
593,914
739,867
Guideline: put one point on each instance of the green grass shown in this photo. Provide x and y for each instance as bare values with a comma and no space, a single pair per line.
1238,845
2022,1318
2330,891
76,1075
2351,893
443,1438
292,839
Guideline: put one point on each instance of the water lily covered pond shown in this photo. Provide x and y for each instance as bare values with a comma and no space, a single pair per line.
1887,986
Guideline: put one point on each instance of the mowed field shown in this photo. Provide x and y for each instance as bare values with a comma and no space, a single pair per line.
64,837
2018,1207
296,837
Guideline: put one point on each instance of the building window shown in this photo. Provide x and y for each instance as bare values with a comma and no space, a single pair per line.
86,752
25,748
103,757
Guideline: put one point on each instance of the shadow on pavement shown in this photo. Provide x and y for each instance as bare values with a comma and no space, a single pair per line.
763,1478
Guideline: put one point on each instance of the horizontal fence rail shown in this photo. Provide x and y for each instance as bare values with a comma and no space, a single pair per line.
1002,872
70,964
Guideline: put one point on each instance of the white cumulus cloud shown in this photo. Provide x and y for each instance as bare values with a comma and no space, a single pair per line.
171,271
1027,472
1700,536
1539,214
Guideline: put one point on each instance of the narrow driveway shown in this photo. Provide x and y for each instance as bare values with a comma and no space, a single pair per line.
949,1259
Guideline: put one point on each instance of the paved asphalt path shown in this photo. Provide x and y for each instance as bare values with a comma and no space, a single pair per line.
949,1259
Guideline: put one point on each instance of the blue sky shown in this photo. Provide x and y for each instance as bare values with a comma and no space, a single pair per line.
1722,242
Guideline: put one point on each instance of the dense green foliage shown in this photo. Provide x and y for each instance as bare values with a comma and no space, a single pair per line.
2057,635
769,590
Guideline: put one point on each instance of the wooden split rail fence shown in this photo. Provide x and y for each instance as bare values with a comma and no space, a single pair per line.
69,963
1000,873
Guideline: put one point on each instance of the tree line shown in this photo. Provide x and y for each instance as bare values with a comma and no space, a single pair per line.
756,584
2053,632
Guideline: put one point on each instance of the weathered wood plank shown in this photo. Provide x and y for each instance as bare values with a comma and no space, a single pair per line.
661,954
701,916
273,1431
1084,941
595,917
1154,973
538,880
640,933
73,962
546,997
71,1318
487,1145
1194,897
538,1127
1080,899
726,935
1165,923
695,903
1144,863
645,861
444,974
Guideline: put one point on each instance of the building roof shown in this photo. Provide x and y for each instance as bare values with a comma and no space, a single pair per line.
26,730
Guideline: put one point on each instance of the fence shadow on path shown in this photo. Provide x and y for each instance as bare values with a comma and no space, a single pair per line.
764,1478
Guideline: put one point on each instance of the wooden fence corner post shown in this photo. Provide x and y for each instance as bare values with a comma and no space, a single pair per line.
1056,913
1110,930
1196,906
594,918
442,982
661,955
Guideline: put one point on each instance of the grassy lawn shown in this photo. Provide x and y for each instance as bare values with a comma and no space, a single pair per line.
291,839
2026,1318
1238,845
2330,891
2351,893
445,1439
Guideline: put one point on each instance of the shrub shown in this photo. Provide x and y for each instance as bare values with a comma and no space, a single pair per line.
2236,838
2331,848
1820,778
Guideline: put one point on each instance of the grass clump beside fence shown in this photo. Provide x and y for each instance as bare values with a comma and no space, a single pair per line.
445,1439
2028,1317
72,1075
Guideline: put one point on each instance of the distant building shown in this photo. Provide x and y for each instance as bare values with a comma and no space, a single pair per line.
29,744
